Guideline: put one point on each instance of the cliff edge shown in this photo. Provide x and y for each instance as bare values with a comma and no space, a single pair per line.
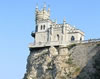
77,61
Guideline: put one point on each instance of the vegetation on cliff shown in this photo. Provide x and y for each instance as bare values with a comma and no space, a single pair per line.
72,62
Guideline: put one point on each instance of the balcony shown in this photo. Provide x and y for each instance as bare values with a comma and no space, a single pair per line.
46,44
33,34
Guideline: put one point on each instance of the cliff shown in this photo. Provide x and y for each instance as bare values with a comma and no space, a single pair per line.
77,61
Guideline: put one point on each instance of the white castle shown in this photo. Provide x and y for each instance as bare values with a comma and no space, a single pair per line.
49,33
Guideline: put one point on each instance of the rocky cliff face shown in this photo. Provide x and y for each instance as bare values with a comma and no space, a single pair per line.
80,61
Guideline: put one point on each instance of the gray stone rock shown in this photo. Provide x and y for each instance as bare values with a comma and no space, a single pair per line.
80,62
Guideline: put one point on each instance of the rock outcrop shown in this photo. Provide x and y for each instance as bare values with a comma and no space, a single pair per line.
81,61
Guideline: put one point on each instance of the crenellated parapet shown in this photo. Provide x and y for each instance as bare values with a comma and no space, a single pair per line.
42,14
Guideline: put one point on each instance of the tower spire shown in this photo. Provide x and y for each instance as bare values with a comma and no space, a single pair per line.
44,6
48,8
36,7
64,21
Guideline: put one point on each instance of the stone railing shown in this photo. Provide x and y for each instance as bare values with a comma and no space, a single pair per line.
84,41
41,44
56,43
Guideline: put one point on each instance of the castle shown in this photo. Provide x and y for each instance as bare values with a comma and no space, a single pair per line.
49,33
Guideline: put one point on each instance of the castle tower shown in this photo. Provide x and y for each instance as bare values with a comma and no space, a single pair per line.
42,18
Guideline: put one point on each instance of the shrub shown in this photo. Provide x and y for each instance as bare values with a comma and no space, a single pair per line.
77,69
63,77
50,68
71,46
98,44
69,61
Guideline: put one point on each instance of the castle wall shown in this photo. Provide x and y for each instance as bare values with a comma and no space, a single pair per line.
76,35
41,37
47,25
57,34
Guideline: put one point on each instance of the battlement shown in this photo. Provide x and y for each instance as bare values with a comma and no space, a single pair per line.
42,14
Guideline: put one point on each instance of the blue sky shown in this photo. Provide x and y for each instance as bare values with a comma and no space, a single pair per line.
17,21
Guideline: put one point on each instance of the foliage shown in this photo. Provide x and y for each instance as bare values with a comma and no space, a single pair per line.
78,69
50,68
71,46
69,61
76,72
98,44
63,77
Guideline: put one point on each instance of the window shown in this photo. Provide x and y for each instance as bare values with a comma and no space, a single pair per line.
80,39
41,27
72,38
36,28
44,27
57,37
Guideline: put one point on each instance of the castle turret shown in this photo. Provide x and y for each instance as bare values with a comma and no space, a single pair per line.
42,19
42,14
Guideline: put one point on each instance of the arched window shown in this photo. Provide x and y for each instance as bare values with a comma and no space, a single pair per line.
36,28
41,27
57,37
72,38
80,38
44,27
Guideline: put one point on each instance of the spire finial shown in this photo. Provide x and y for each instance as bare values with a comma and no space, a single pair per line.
44,6
36,6
64,21
56,21
48,8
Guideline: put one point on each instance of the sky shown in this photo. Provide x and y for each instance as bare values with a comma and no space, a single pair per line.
17,21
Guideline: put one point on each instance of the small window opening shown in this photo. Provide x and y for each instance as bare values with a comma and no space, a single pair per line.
41,27
72,38
44,27
80,39
57,37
